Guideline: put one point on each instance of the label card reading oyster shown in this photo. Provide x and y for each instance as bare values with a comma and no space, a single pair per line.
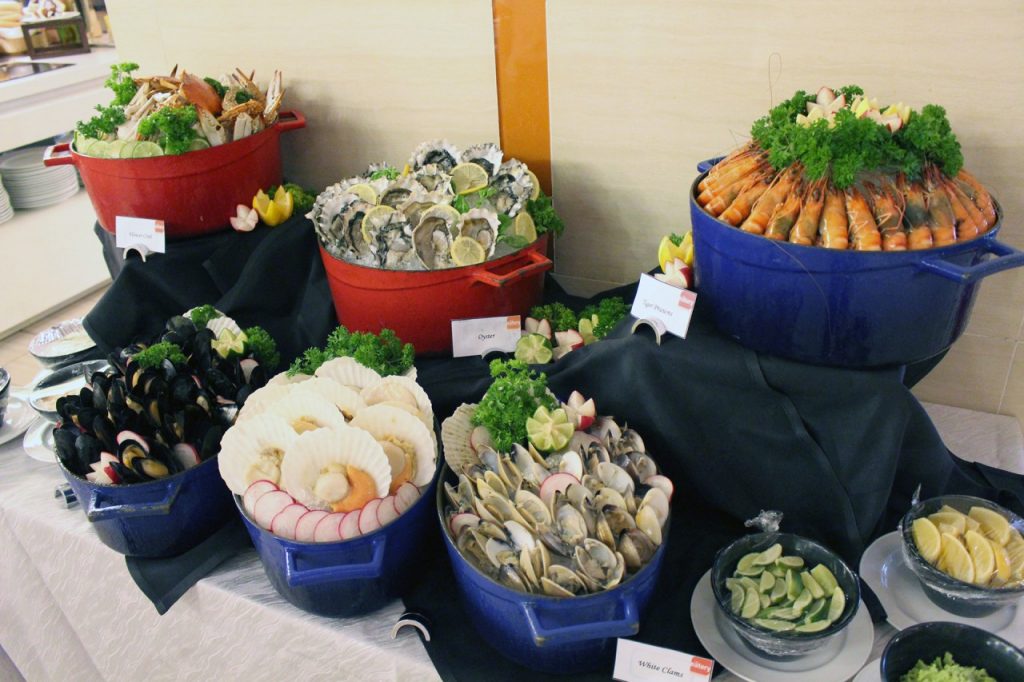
480,335
672,306
140,232
637,662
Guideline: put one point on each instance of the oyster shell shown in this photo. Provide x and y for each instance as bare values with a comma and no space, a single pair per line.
351,227
420,202
339,470
432,241
513,186
434,178
440,152
480,224
399,192
390,236
487,155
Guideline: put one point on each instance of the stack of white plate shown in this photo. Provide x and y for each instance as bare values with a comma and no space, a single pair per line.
30,184
6,210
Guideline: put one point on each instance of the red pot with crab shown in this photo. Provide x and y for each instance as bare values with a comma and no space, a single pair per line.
194,193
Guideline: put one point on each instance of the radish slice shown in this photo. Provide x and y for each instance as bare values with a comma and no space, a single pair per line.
112,475
388,510
247,366
368,521
186,455
107,458
270,505
555,483
661,482
327,528
349,527
406,496
254,492
306,527
461,521
287,519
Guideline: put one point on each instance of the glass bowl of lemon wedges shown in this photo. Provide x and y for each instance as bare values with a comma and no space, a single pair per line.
967,552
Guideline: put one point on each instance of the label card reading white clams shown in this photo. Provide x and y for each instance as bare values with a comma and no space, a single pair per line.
656,300
140,232
637,662
480,335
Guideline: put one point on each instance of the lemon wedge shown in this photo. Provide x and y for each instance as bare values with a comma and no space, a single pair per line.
926,537
955,560
525,227
954,519
270,212
536,185
982,555
364,192
993,524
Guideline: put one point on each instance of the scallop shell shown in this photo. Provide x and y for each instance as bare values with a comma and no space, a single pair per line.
401,389
344,398
262,398
455,432
246,451
219,324
347,372
308,407
440,152
314,450
383,420
283,378
487,155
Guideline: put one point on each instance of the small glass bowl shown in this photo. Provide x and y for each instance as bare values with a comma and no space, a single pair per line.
963,599
783,644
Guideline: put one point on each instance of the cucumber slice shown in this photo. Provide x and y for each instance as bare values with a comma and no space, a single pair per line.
114,147
197,144
99,149
145,149
128,149
84,145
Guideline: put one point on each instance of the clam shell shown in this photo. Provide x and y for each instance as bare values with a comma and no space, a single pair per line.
344,398
348,372
314,450
283,378
309,407
382,421
245,454
455,432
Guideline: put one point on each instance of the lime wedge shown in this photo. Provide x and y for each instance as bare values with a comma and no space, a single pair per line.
793,586
790,562
769,555
751,603
816,611
836,606
84,144
767,582
197,144
824,577
736,601
774,625
811,584
746,565
533,349
778,592
550,430
98,149
765,601
803,601
145,149
114,148
816,626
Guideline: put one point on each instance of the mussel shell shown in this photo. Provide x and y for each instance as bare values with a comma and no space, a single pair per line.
211,441
64,443
87,449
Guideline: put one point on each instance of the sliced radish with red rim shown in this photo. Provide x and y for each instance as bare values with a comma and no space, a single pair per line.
268,506
556,483
368,521
306,527
387,511
284,524
349,528
254,492
327,528
406,496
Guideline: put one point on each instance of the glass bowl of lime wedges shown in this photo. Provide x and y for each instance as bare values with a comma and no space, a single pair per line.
967,552
784,595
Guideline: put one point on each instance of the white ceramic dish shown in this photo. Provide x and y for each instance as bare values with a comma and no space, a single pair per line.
38,441
840,659
883,570
16,419
872,672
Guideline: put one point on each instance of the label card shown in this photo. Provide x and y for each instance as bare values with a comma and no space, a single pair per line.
480,335
672,306
140,232
637,662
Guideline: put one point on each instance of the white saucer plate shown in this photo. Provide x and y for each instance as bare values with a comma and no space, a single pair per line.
38,441
839,659
16,419
872,672
883,569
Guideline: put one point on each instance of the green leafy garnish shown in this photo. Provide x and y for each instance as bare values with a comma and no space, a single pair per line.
676,239
385,172
561,317
513,397
302,197
103,124
262,346
158,352
121,82
609,312
544,217
202,315
172,128
384,353
217,86
928,135
241,97
466,202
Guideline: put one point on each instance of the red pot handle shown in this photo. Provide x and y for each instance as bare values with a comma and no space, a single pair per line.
58,155
538,263
290,120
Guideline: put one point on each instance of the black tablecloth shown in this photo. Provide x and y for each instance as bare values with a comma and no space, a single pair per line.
839,452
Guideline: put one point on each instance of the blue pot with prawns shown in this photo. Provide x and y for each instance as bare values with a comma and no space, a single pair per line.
845,233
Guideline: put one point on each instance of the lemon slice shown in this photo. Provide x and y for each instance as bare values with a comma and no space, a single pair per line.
1003,572
468,178
955,519
813,626
467,251
926,537
364,192
536,185
533,349
769,555
667,251
836,606
993,524
955,560
982,555
377,212
751,603
525,227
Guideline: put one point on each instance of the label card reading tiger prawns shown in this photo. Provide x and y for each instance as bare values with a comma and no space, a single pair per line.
637,662
481,335
672,306
140,233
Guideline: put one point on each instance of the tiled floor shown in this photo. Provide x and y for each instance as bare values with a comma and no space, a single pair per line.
14,355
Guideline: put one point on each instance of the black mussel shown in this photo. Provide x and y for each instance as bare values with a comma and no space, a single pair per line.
125,474
219,383
226,414
181,324
66,406
182,389
243,394
148,468
154,385
115,394
84,416
85,396
162,453
202,401
134,405
105,432
211,442
196,421
130,450
257,378
155,409
169,370
64,443
87,450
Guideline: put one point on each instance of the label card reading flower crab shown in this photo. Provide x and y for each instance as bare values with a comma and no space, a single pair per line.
480,335
672,306
142,234
636,662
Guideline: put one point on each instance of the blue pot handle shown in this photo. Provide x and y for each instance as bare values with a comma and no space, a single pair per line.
626,626
104,504
1006,257
705,166
298,577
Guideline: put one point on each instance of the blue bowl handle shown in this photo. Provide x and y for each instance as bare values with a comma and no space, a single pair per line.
1006,257
298,577
104,503
705,165
626,626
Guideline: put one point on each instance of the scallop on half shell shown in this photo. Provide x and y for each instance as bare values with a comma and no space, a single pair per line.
348,372
401,391
407,443
308,412
336,470
252,450
347,400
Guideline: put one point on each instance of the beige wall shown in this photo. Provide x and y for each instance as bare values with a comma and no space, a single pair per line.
640,92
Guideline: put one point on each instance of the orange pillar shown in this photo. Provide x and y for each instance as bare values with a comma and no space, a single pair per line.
521,63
